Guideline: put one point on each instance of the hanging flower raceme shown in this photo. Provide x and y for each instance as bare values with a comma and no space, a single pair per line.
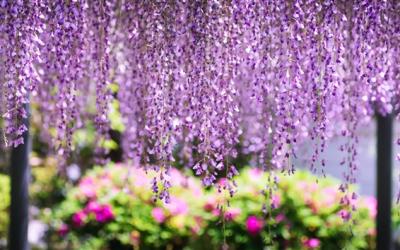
19,28
202,77
62,68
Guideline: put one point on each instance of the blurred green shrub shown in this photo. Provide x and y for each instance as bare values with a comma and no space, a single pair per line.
112,208
4,204
47,186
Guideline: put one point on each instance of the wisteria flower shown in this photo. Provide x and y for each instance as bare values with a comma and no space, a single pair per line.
344,214
249,75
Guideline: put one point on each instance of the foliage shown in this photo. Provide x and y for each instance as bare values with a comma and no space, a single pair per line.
113,208
4,204
115,205
47,186
305,214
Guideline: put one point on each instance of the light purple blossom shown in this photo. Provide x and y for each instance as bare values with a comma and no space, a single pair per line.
202,78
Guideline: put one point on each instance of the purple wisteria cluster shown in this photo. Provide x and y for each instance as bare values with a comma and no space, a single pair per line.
204,76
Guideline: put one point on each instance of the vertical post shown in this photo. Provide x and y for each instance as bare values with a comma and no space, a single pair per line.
384,181
20,174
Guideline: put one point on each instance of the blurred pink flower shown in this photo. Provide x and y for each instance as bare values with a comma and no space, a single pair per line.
312,243
210,204
313,187
177,206
88,187
307,188
302,185
372,231
158,214
177,179
93,207
254,225
232,213
196,227
104,214
255,173
196,189
330,196
371,204
276,201
78,219
105,181
280,217
63,230
140,178
215,212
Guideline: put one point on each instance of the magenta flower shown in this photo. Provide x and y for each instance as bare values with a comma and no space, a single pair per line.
158,214
254,225
78,219
312,243
105,214
63,230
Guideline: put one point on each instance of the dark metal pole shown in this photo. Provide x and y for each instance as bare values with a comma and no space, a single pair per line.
384,181
20,174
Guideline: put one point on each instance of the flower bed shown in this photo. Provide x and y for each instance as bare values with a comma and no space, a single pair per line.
112,208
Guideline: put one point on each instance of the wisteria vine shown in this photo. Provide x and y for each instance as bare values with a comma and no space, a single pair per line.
204,76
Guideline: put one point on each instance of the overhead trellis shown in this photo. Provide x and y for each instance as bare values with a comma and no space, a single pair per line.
205,75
